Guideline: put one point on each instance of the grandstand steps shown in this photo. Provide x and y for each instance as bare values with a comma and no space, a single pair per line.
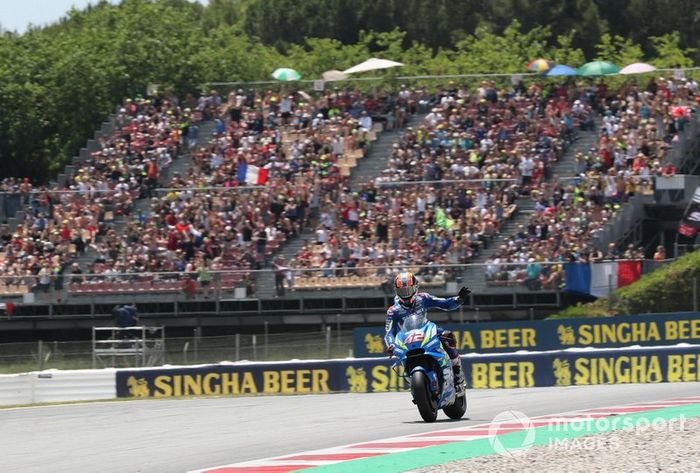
566,167
473,276
367,169
377,159
184,162
180,164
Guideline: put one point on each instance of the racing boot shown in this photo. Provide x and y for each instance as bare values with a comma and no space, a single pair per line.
460,382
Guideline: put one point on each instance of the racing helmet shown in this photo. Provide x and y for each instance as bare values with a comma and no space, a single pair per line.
406,287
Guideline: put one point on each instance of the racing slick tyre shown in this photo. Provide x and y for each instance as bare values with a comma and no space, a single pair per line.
422,396
457,409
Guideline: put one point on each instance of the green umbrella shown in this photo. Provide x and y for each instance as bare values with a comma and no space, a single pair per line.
284,74
598,68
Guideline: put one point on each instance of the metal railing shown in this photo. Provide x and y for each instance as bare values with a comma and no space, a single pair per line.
285,291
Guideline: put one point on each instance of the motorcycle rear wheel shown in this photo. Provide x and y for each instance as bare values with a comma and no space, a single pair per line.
422,396
457,409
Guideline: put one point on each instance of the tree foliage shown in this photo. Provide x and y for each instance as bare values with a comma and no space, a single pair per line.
59,82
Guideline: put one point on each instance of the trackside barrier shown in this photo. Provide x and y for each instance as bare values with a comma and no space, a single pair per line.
57,386
542,335
569,367
518,370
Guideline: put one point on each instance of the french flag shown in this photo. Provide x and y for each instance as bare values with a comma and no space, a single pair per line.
252,175
601,279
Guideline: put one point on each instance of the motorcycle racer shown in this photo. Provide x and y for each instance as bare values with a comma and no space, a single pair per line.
409,301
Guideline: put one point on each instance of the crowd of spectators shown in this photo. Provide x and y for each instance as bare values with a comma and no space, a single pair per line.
62,223
471,156
451,182
637,128
210,218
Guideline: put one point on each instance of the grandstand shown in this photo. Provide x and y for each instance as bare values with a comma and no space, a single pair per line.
349,187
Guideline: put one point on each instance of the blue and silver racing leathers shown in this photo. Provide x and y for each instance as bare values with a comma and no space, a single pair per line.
424,301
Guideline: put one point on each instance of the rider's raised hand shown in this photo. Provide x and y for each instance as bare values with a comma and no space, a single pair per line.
464,294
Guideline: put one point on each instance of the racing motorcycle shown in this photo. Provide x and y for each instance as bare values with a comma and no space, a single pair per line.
427,368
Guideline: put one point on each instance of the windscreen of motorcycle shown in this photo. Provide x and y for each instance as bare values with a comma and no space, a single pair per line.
413,322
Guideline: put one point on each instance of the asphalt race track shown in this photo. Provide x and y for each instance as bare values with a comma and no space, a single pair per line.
181,435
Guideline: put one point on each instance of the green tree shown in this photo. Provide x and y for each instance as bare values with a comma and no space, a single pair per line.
618,50
669,53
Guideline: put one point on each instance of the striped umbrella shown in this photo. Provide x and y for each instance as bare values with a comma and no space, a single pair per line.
284,74
539,66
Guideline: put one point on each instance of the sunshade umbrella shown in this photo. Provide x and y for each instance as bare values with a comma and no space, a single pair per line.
332,75
539,66
561,70
284,74
372,64
637,68
598,68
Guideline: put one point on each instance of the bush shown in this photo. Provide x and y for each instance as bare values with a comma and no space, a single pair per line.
668,289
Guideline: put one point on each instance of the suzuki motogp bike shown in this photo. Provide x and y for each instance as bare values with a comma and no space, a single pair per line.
427,368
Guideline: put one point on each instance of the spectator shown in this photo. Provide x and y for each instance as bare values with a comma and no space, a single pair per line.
660,253
280,275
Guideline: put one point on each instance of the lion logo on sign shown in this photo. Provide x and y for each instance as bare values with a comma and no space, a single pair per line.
566,335
562,372
374,343
138,387
357,379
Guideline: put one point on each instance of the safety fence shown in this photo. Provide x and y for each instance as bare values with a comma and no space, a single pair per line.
571,367
332,342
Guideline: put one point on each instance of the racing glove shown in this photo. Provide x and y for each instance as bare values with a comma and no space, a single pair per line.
463,294
390,350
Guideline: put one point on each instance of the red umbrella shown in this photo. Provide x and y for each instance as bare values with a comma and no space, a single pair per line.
680,112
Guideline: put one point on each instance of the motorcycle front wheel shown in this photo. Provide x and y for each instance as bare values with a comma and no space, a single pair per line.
422,396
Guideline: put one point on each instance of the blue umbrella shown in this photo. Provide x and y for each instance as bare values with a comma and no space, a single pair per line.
561,70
